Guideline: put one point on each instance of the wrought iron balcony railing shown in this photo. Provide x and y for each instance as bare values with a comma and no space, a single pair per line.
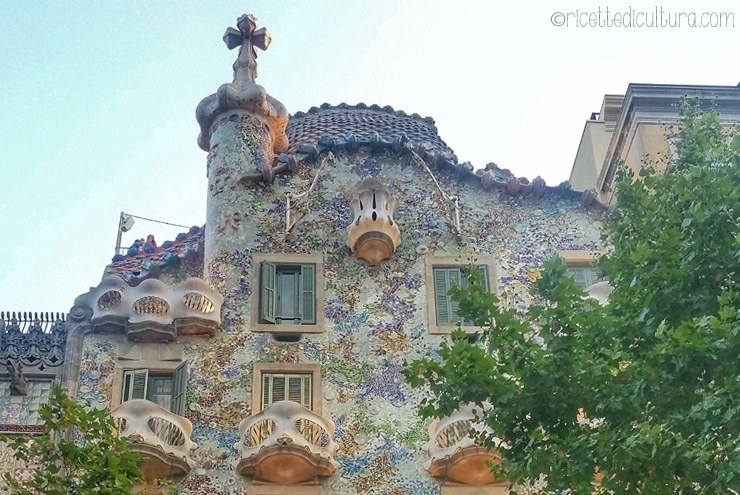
35,340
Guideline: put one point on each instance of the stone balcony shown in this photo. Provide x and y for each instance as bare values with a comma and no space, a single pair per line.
152,311
457,457
161,437
286,444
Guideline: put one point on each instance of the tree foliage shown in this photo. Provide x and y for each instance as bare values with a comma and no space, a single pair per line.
78,453
645,390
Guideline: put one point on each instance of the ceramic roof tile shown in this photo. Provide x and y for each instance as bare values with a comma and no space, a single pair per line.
362,121
346,127
133,263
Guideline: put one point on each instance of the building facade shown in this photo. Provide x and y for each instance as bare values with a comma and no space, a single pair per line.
263,353
630,127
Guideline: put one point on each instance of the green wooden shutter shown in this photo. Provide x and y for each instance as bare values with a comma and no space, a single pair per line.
584,276
278,386
134,384
445,307
483,270
456,277
592,275
266,390
308,295
267,291
179,386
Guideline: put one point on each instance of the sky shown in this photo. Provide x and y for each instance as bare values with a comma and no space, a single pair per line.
97,99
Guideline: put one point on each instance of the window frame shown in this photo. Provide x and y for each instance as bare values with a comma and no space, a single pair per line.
458,262
312,369
279,259
575,259
178,377
127,363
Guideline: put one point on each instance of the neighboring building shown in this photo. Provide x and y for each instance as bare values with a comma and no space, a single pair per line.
263,353
628,128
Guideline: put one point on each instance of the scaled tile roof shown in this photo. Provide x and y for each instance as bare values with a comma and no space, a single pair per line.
193,243
346,128
362,121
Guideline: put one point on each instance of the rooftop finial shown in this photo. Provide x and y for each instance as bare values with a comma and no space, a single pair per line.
247,37
243,93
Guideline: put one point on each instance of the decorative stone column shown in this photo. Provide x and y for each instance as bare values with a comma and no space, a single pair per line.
242,128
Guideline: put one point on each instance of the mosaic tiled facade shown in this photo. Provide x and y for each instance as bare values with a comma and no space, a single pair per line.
32,344
362,322
19,413
375,318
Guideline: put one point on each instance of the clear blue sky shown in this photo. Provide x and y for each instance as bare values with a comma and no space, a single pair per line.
98,100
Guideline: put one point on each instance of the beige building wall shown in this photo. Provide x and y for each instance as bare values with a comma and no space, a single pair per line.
635,126
590,155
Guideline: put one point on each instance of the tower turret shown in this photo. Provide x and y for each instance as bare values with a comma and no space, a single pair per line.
242,128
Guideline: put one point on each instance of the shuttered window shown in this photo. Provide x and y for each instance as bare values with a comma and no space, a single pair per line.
179,386
287,294
584,276
165,390
134,384
444,279
292,387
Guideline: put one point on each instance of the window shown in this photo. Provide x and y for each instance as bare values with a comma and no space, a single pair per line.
442,273
281,386
580,267
274,382
287,294
584,276
290,296
296,382
165,389
444,279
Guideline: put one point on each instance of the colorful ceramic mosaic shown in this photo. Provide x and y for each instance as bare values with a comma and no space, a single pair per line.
375,318
19,413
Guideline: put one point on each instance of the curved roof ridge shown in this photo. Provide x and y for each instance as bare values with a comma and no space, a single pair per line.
364,106
363,122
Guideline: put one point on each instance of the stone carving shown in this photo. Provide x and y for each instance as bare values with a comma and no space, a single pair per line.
230,220
33,340
373,234
286,444
212,154
457,457
243,93
18,383
154,311
162,437
220,182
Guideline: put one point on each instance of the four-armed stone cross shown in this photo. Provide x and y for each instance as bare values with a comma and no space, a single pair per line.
243,93
247,37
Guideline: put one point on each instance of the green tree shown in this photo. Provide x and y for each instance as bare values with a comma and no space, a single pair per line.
78,453
645,390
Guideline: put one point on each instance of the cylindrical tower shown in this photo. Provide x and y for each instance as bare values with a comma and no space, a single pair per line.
242,128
